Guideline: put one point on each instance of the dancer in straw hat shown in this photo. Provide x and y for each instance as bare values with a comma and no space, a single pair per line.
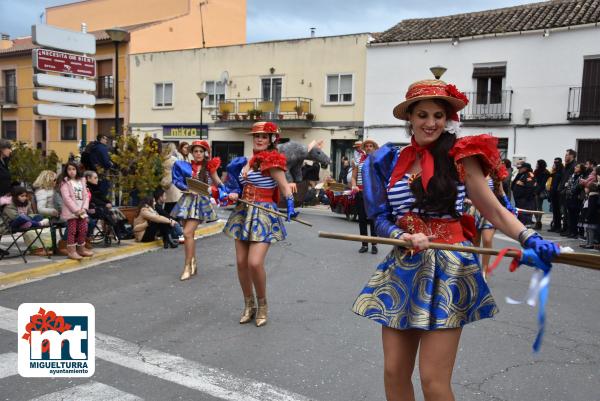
424,298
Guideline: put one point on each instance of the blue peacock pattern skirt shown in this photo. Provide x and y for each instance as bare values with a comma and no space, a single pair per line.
430,290
192,206
248,223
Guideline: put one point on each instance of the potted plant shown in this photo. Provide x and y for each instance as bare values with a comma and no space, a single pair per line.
27,163
298,110
310,116
224,115
280,116
258,114
244,116
237,117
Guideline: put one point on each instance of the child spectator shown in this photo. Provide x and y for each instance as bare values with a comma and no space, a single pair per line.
591,215
76,201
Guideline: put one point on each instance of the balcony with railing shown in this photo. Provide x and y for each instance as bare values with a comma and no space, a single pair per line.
8,96
488,106
105,89
287,111
584,103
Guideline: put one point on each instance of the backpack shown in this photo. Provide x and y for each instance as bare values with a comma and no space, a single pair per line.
86,159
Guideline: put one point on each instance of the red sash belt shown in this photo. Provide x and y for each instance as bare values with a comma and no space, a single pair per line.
255,194
445,231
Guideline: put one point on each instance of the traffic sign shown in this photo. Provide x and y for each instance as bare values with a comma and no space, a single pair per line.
53,110
64,63
64,97
62,39
64,82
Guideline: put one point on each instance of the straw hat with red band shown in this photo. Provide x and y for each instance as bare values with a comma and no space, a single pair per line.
432,89
266,127
202,144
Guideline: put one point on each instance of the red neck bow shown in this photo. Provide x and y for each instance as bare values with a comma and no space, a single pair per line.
407,157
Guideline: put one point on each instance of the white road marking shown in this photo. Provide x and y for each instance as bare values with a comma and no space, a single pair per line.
215,382
8,364
93,391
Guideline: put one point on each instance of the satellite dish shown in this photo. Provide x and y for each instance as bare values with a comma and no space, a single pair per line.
224,77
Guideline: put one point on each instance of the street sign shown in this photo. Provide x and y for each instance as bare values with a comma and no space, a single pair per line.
64,63
64,82
62,39
64,97
53,110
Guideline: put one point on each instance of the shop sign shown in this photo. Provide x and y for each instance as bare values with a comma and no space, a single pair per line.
185,131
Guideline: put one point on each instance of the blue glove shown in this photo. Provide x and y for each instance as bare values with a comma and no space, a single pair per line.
509,205
546,250
223,194
290,208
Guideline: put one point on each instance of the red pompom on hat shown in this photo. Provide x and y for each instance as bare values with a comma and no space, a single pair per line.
203,144
432,89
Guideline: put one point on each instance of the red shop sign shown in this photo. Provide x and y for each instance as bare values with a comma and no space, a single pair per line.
64,63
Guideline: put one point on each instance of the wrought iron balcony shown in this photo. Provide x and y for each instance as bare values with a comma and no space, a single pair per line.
584,103
8,95
488,106
287,108
105,87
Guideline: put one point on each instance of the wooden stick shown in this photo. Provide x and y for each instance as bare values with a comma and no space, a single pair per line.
572,258
275,212
529,211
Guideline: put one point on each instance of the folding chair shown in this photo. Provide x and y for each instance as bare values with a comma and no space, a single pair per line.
16,235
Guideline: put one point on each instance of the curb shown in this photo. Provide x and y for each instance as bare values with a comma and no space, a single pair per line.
62,266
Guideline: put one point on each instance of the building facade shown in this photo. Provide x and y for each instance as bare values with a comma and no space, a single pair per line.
532,74
313,88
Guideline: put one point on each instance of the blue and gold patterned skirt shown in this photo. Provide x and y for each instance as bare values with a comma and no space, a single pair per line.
197,207
430,290
249,223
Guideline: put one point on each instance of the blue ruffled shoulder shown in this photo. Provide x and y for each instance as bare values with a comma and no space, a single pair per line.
234,168
181,170
377,171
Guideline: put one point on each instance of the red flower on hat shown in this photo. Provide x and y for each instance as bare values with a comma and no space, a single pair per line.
455,93
270,128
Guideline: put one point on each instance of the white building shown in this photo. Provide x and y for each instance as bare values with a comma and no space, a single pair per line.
532,74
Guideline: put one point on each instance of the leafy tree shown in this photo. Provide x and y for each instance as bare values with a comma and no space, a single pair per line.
27,163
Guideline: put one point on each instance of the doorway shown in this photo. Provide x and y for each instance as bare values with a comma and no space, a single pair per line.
339,149
40,136
271,97
227,151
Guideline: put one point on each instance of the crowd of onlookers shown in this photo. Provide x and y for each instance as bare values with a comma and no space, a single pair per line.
570,188
75,204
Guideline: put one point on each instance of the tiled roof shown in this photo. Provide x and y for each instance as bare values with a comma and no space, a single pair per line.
528,17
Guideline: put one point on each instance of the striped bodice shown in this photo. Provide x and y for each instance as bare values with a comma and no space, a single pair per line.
401,199
257,179
359,179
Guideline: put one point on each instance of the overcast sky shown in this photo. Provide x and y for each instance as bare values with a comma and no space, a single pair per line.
284,19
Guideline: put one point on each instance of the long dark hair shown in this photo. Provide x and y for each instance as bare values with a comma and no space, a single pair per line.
441,190
63,174
540,167
148,201
15,193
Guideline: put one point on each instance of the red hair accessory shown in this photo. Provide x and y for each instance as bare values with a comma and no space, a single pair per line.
455,93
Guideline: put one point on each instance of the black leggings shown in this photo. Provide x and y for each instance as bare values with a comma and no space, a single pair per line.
362,217
154,228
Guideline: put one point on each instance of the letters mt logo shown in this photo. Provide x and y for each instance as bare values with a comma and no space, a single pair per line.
56,340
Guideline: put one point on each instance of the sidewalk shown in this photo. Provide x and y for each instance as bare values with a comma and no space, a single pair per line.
14,271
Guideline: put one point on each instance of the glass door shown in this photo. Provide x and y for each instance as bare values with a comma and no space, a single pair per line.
271,92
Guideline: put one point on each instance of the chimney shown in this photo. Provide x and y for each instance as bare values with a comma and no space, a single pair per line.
5,42
312,32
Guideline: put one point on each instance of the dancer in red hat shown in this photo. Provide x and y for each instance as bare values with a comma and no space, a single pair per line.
192,208
424,297
257,181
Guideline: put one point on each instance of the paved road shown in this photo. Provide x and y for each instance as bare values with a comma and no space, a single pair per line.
159,338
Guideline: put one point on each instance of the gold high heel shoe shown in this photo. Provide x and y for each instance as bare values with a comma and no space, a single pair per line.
187,271
194,266
261,313
249,310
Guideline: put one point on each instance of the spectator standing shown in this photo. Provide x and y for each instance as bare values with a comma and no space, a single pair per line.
523,188
172,192
5,177
574,200
591,215
507,181
570,156
541,175
345,168
555,198
590,173
184,152
96,158
369,147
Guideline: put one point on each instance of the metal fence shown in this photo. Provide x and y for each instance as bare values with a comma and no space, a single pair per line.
584,103
288,108
104,87
488,106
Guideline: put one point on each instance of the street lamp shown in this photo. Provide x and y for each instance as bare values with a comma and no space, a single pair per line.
438,71
117,35
201,95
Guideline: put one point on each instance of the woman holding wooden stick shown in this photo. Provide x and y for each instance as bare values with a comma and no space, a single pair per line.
194,208
424,297
259,182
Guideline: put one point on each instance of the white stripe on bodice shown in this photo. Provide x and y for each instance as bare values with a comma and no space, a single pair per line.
258,180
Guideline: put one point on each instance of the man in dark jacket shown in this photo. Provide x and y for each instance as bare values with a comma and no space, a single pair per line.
570,156
523,188
5,178
557,173
96,157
